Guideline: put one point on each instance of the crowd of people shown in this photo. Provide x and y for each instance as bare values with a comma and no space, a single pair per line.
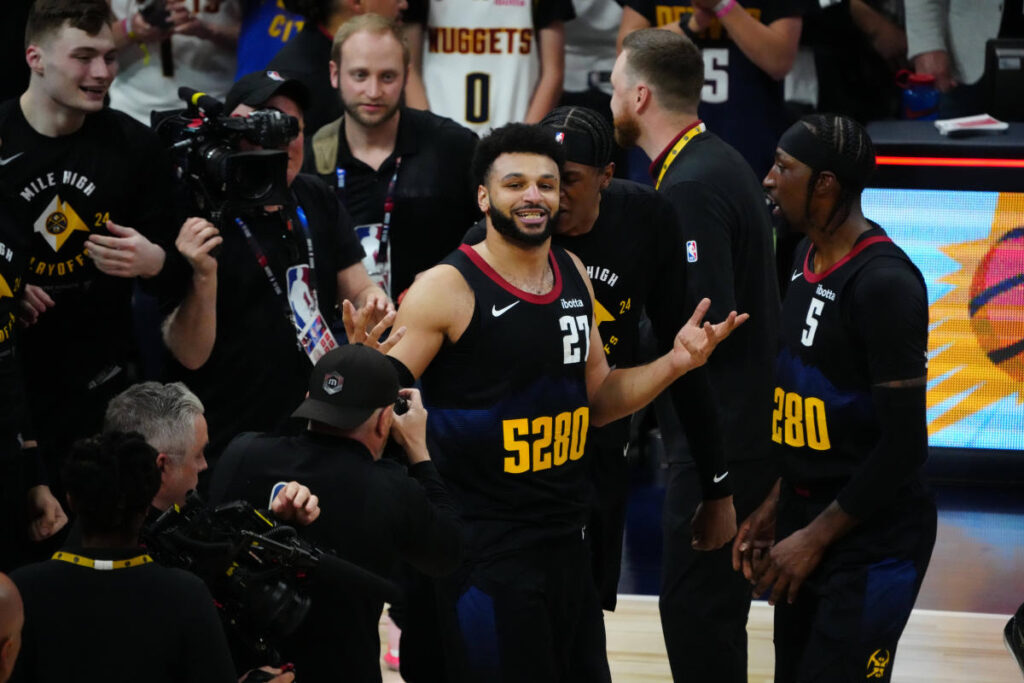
421,344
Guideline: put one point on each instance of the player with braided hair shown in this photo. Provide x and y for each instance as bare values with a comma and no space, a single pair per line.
848,140
845,536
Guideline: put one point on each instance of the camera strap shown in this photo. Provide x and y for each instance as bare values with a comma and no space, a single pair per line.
102,565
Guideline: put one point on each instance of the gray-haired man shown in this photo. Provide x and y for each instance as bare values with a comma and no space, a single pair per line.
171,419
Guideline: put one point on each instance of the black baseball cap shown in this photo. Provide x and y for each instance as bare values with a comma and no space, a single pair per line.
347,385
256,88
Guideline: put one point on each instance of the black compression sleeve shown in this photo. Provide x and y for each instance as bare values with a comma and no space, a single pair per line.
889,310
900,451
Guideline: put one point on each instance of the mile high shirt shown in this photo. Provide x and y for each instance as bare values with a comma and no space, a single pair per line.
508,411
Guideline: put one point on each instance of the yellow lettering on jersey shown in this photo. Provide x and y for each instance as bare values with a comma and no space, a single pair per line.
673,14
544,442
5,289
799,421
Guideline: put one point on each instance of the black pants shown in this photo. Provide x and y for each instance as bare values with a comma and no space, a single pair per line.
610,481
531,616
849,614
704,603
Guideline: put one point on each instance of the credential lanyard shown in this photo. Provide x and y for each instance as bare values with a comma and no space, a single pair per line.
677,148
262,260
389,206
102,565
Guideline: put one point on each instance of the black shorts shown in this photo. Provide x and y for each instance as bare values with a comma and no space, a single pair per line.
532,616
850,612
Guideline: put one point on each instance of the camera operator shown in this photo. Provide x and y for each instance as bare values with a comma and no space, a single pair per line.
170,417
252,320
373,513
103,609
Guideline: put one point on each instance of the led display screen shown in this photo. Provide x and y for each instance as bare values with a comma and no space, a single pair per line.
970,248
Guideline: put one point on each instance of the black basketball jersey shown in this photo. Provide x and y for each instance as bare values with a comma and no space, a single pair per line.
508,411
824,419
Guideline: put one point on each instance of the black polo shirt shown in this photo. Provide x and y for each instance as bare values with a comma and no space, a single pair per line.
434,196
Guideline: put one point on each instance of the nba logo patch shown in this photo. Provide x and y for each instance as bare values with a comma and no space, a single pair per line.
691,251
559,137
274,76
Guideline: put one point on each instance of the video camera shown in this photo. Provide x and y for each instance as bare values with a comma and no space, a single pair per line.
204,144
258,571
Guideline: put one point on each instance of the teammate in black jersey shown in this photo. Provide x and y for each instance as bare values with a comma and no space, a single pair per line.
501,333
844,539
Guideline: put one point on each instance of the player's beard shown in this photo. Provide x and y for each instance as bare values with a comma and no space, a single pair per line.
352,110
506,226
627,131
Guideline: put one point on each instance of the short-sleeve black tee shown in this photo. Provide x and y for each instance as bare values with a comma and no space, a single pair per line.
257,374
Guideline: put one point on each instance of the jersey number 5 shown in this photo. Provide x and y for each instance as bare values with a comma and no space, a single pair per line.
813,311
716,76
576,339
478,97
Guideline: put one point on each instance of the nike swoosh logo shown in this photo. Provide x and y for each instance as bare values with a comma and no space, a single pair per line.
795,275
719,477
4,162
498,312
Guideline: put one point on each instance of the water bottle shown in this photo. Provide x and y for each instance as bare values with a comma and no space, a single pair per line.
920,96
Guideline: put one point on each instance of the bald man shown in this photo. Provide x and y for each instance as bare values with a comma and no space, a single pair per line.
12,617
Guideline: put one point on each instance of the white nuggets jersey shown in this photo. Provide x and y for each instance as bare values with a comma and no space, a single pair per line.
480,61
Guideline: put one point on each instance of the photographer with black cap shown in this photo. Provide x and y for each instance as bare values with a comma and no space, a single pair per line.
373,512
253,319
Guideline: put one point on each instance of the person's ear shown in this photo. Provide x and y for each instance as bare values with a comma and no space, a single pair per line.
483,199
335,74
606,175
826,183
642,99
34,58
382,425
162,462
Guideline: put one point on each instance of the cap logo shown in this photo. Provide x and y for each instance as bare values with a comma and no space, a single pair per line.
560,137
333,382
273,75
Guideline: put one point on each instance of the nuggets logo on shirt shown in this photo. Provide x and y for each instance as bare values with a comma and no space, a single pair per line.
57,222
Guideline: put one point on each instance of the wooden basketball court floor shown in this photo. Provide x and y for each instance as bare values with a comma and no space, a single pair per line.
937,647
974,582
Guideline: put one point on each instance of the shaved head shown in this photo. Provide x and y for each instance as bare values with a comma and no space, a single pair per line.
12,618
